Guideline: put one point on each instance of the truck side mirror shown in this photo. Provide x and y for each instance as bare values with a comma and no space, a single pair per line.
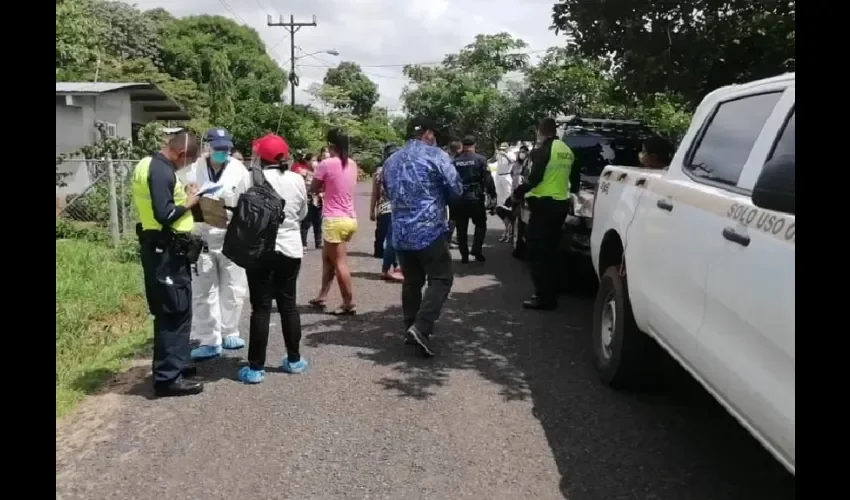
775,187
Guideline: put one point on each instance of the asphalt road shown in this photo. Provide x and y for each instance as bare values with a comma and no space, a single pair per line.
510,410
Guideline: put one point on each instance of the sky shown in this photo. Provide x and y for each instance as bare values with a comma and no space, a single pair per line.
380,35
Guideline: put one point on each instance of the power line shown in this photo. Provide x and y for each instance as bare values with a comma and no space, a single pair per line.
292,27
425,63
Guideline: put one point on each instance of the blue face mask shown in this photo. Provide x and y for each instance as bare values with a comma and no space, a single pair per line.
219,156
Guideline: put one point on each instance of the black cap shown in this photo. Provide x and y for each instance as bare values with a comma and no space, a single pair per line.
420,124
469,140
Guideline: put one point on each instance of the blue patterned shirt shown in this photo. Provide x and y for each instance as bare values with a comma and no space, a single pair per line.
419,179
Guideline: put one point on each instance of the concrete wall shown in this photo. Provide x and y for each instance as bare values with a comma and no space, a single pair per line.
75,128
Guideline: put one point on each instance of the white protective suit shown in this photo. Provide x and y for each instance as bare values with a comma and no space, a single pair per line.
502,178
219,287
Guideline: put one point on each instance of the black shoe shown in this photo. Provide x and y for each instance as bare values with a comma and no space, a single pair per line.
181,387
464,259
189,371
479,257
318,245
536,304
420,340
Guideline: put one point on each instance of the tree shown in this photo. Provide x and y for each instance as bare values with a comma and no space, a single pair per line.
463,94
686,46
128,33
190,43
77,37
220,89
362,92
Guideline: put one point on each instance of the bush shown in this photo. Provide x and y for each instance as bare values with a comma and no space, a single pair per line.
76,230
101,313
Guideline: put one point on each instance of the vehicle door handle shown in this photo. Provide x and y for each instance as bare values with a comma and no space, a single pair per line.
664,205
622,176
735,237
640,182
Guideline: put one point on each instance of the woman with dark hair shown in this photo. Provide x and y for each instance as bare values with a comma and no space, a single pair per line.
276,275
336,176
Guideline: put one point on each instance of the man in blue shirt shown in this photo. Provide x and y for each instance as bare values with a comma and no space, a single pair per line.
419,180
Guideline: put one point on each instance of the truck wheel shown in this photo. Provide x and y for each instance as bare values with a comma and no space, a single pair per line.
624,356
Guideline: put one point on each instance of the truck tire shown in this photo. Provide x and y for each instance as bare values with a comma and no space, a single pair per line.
625,357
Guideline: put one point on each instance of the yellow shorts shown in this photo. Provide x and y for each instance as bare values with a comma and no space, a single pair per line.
338,229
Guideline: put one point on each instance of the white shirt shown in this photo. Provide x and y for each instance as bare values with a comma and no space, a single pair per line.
234,180
291,187
503,163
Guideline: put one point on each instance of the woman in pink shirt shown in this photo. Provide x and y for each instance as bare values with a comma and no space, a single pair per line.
336,176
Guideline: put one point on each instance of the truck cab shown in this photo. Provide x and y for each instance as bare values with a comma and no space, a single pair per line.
699,260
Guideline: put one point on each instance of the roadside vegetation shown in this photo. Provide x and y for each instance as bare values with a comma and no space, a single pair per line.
101,313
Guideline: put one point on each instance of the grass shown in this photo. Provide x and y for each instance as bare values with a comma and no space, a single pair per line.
101,317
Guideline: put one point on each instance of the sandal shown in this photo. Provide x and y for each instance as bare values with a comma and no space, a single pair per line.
317,303
344,311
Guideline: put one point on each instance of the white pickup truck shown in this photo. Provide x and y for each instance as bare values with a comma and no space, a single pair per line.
699,260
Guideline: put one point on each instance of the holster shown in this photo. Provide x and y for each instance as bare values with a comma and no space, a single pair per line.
183,244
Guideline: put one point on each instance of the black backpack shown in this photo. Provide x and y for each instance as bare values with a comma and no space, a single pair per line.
252,231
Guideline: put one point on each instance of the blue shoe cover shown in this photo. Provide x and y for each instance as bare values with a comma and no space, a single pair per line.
204,352
233,342
249,376
296,367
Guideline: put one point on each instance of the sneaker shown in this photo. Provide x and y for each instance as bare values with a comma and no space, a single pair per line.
421,340
294,367
392,276
205,352
233,342
249,376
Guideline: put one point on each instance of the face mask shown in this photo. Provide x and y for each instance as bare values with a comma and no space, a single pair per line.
522,156
219,156
642,157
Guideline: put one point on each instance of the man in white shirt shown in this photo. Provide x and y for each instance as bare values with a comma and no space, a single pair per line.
220,286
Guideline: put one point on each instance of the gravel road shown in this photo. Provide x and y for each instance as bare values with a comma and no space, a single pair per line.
510,410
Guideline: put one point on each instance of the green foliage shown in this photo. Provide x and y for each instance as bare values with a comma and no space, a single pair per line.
77,36
689,47
360,91
101,317
220,89
70,229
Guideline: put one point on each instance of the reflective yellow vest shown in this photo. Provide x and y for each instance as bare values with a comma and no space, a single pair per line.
556,178
144,206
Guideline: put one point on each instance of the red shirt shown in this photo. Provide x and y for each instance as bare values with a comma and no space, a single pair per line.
300,167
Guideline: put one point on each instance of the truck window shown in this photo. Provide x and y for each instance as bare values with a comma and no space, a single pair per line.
787,140
726,142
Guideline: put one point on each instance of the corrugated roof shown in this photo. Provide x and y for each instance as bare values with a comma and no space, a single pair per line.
95,87
151,97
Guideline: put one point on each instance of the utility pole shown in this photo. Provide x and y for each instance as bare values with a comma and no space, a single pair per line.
292,27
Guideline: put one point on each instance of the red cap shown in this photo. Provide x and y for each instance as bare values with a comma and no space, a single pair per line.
270,147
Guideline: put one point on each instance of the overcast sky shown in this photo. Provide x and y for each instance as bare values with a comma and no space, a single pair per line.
377,33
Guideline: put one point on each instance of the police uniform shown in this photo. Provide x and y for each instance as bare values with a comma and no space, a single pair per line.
477,181
547,192
167,251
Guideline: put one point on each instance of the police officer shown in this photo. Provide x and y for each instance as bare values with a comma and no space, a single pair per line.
476,178
547,192
168,249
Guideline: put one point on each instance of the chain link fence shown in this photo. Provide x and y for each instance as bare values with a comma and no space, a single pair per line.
97,192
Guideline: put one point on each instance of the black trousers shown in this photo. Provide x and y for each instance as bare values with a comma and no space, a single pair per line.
314,219
542,238
463,211
382,227
275,278
168,288
432,264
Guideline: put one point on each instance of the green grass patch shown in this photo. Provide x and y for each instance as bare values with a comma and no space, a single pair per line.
101,316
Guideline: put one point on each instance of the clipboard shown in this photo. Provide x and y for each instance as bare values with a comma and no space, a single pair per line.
210,211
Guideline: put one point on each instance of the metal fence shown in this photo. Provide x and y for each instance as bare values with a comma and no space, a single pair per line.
97,192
